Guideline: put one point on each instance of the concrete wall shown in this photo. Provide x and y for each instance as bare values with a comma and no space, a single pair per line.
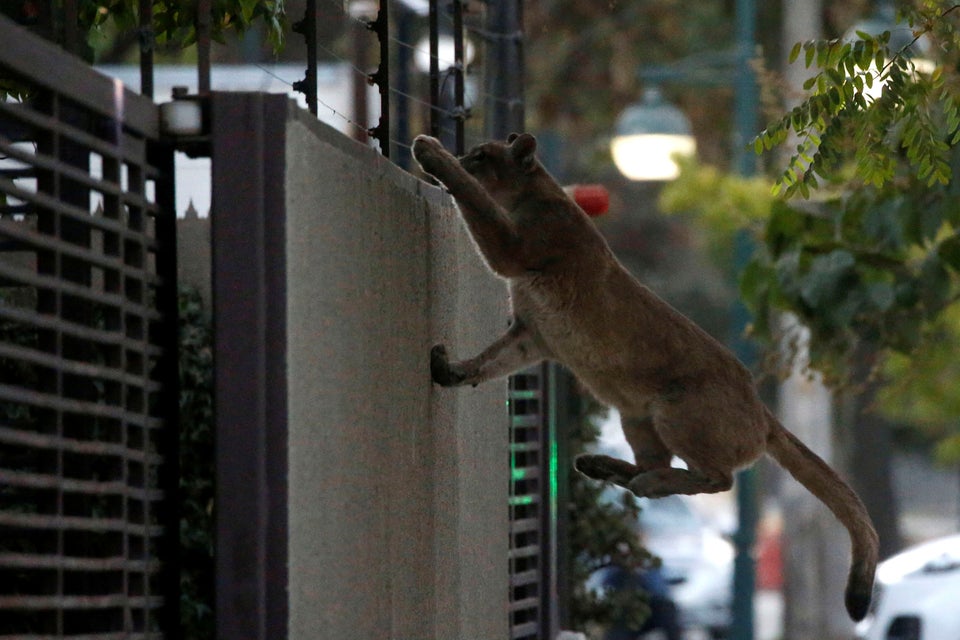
397,489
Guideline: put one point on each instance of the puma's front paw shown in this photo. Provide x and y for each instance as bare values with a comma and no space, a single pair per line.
429,153
440,370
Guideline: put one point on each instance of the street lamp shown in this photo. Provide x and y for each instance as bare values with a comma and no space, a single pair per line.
649,137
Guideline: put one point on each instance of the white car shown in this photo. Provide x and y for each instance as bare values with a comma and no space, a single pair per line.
917,594
697,562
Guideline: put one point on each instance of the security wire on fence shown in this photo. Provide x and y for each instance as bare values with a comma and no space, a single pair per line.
442,73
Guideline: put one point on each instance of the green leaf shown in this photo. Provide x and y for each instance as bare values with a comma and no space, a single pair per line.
836,77
949,252
795,52
883,226
901,331
822,283
881,295
755,280
247,9
935,290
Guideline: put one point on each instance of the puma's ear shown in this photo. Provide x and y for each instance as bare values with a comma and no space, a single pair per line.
522,148
512,137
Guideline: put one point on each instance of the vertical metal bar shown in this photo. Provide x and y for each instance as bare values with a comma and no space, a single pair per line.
381,26
552,376
504,69
307,27
404,20
311,36
250,387
48,303
745,89
204,18
361,112
161,156
146,37
71,29
745,123
459,113
434,70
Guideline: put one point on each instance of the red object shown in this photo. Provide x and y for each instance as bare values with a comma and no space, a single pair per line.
594,199
770,561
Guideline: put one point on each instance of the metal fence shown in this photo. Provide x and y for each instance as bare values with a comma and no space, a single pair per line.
87,353
533,508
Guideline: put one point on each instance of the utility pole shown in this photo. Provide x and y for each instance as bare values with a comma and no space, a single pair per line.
745,126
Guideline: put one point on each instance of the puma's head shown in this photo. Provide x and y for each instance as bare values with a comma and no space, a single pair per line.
506,170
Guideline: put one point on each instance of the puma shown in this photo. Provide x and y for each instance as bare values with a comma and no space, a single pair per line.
679,391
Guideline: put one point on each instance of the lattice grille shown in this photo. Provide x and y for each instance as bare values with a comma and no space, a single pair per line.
527,511
85,358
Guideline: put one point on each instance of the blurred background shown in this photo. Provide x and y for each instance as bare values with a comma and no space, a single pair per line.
658,102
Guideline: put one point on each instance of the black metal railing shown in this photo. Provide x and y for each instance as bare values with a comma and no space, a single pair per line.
87,354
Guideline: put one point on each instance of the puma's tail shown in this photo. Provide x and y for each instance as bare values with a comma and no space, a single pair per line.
823,482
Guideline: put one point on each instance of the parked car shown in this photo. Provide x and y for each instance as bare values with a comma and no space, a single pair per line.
917,594
697,559
697,562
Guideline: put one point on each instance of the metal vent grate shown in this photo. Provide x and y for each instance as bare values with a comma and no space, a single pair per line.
87,353
530,549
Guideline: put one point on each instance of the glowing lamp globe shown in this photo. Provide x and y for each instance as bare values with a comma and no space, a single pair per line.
649,137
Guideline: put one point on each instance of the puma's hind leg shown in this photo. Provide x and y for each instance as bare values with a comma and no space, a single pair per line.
648,450
667,482
513,351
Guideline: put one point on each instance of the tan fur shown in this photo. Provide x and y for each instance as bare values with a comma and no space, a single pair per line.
679,391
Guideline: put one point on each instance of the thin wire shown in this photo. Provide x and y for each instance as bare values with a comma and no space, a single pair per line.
333,110
462,111
482,32
366,76
394,39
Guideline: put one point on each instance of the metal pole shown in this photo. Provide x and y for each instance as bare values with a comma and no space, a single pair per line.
147,40
381,26
204,18
361,112
310,35
459,114
745,89
434,70
745,124
504,69
404,22
307,27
